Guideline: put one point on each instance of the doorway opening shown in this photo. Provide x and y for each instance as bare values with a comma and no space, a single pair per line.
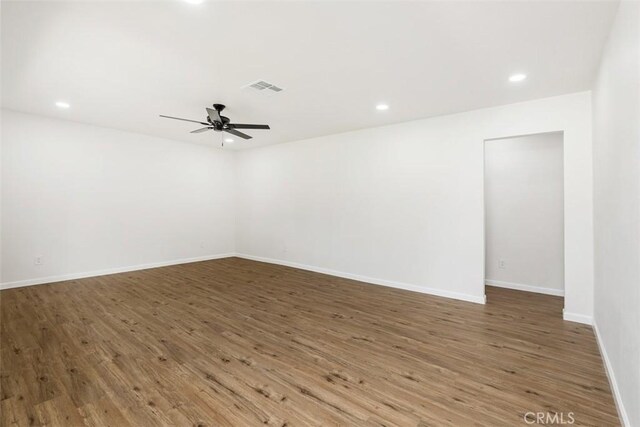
524,214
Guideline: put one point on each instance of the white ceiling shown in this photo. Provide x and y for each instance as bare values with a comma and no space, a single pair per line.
121,64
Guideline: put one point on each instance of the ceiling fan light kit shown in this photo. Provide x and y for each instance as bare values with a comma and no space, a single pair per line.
219,123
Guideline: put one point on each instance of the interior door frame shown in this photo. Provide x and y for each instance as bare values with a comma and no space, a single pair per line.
564,201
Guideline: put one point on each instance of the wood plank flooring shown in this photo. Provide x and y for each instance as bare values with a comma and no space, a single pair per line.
234,342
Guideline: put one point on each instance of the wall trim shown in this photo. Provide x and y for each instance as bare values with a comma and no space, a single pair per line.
370,280
526,288
575,317
366,279
95,273
617,397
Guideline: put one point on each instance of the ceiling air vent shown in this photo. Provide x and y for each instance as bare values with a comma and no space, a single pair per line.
263,88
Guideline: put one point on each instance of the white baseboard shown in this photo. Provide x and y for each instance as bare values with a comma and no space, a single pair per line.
622,413
74,276
526,288
575,317
381,282
371,280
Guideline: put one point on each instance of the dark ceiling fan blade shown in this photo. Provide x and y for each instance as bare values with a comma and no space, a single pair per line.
214,115
201,130
184,120
246,126
237,133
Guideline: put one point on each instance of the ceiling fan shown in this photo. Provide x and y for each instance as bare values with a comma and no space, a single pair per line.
215,121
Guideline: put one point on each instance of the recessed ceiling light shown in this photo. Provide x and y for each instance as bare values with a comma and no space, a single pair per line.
62,104
517,77
382,107
194,1
228,140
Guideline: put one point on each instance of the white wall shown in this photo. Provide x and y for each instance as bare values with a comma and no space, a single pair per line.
616,102
524,213
403,204
399,205
88,199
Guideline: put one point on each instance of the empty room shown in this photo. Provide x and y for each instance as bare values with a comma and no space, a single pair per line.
320,213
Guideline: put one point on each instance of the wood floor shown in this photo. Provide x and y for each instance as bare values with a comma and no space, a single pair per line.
234,342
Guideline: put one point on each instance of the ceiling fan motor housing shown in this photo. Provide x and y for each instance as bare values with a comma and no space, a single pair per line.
219,125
